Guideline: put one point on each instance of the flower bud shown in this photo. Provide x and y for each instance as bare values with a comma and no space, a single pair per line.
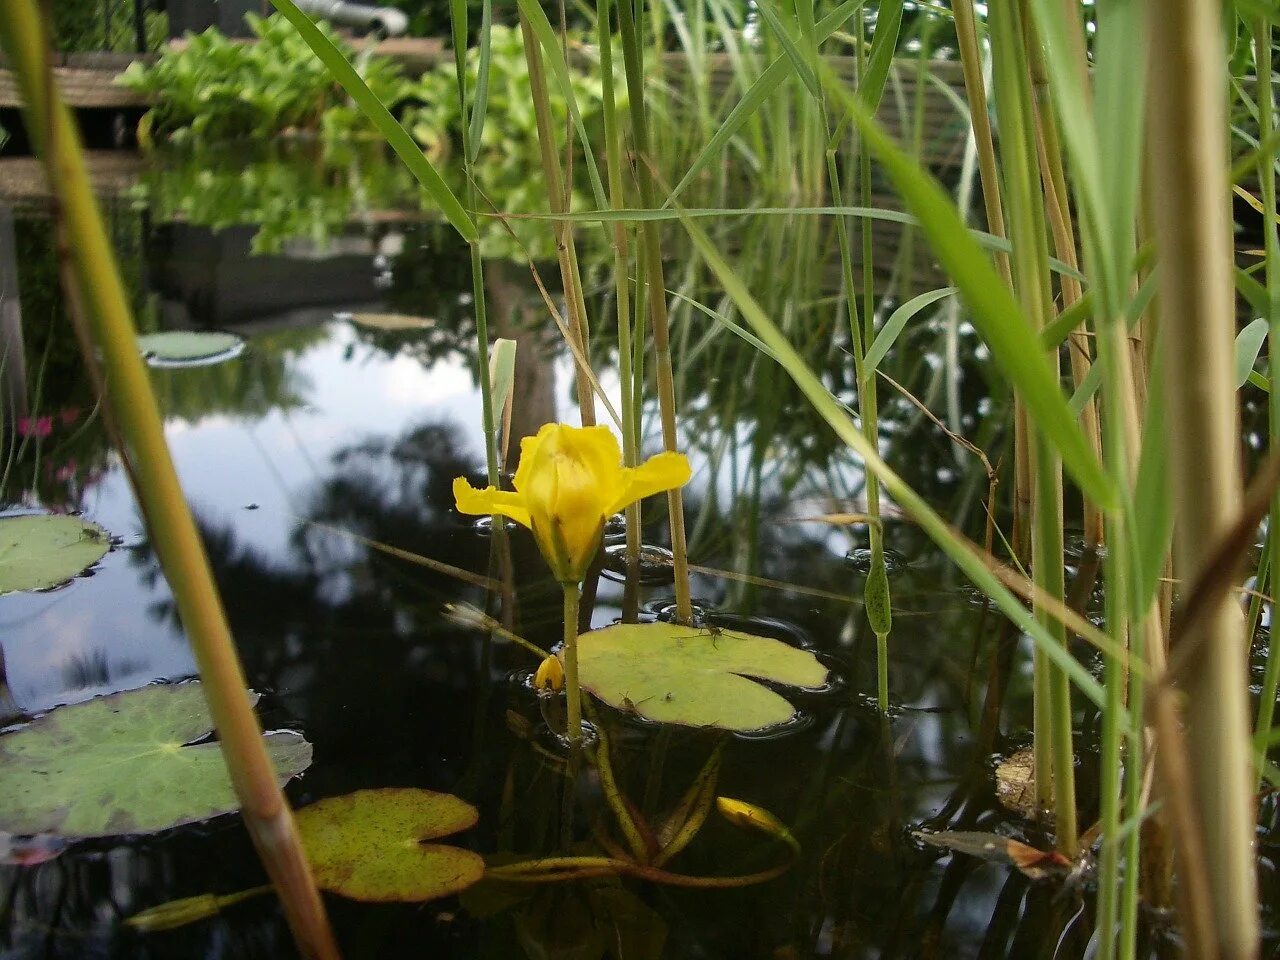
550,676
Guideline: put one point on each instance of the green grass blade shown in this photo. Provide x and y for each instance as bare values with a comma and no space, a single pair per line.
897,322
1062,326
381,117
641,215
802,67
994,312
550,44
884,43
480,108
1152,500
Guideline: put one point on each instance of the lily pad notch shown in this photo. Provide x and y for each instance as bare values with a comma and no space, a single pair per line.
696,677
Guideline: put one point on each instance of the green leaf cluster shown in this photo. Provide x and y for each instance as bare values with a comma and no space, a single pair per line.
216,88
507,166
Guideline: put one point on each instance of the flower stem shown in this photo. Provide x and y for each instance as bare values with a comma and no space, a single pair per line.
572,593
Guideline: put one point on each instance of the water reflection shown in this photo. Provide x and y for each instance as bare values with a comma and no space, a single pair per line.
323,428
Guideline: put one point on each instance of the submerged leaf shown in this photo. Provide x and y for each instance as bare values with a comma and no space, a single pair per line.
696,677
370,845
124,764
1036,864
1016,784
45,550
189,347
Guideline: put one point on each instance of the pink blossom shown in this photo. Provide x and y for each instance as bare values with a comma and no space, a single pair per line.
35,426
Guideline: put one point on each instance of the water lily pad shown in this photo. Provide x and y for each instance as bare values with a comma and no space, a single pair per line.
695,677
392,321
44,550
181,348
370,845
122,764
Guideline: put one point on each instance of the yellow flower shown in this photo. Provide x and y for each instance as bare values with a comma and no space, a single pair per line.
570,481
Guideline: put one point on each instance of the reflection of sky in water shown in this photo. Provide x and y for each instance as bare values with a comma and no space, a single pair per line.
250,477
97,635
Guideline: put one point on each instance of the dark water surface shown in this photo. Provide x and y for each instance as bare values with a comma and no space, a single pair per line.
322,423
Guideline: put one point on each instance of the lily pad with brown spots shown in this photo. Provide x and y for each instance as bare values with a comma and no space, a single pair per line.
372,844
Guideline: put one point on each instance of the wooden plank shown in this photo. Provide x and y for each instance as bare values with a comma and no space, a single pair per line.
82,89
23,184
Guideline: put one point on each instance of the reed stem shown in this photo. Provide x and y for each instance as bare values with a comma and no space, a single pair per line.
1188,156
171,527
622,300
558,193
651,253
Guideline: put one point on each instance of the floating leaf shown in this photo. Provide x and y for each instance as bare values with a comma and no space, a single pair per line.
392,321
369,845
122,764
184,348
1036,864
692,676
45,550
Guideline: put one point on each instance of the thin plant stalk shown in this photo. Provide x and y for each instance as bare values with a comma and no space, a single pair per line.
976,94
458,19
170,524
651,254
1054,182
876,591
1267,180
558,192
572,690
1189,173
1031,281
622,298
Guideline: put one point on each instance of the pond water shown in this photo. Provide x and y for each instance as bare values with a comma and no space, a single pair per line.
324,427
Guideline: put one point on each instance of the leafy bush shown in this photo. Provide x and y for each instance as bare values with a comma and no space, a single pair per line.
217,88
508,169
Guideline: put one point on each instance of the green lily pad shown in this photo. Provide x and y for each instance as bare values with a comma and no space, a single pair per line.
121,764
45,550
694,677
369,845
180,348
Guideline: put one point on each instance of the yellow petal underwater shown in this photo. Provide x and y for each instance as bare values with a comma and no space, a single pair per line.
490,500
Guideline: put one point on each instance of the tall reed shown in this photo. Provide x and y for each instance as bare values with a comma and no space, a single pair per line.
1188,163
169,521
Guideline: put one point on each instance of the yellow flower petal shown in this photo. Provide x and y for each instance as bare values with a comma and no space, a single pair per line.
490,500
663,471
599,452
529,447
